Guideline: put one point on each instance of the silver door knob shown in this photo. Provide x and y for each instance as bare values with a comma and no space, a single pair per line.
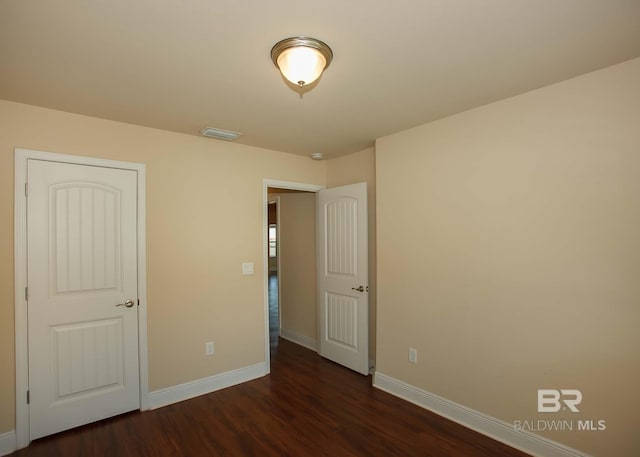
359,289
128,303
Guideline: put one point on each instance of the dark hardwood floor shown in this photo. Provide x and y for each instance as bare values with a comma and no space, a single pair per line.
307,406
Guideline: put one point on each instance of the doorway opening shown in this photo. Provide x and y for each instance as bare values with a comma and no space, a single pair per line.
289,263
292,267
273,267
322,251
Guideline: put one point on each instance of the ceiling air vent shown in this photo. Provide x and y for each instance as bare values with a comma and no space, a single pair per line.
219,134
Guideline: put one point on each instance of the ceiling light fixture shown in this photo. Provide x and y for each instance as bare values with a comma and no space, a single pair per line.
301,59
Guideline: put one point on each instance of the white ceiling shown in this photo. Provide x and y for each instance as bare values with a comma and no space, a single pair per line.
184,64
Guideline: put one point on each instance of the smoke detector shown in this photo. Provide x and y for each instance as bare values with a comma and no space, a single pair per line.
219,134
317,156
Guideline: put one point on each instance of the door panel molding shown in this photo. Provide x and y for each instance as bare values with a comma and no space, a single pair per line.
20,268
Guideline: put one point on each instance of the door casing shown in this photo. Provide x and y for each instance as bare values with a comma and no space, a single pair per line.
20,269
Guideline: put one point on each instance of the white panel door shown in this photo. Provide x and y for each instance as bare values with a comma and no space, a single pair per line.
343,276
82,263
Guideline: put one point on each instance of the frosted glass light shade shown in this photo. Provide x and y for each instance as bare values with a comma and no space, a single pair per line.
301,65
301,60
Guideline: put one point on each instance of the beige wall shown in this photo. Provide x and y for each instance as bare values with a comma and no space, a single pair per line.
352,169
298,311
509,255
196,291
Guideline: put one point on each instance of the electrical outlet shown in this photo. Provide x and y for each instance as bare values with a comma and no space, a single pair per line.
413,355
208,348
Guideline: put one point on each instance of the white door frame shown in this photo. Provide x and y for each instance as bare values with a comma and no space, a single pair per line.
20,255
266,183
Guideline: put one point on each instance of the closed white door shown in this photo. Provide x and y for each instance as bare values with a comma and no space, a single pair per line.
343,276
82,264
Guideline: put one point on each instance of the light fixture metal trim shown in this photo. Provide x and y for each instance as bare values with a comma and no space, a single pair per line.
304,42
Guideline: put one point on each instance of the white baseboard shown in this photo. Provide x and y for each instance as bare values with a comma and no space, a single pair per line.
487,425
164,397
297,338
8,442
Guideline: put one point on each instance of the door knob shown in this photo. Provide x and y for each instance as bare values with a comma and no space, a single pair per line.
359,289
128,303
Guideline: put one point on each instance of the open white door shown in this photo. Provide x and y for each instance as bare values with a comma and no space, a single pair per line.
82,294
343,291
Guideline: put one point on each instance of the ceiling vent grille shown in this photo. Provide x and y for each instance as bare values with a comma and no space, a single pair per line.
219,134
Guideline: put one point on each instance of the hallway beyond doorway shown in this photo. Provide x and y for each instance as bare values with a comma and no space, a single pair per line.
274,318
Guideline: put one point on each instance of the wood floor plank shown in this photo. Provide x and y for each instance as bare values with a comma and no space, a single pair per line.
307,406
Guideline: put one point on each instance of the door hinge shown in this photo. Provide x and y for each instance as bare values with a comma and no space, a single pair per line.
26,189
26,293
28,397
